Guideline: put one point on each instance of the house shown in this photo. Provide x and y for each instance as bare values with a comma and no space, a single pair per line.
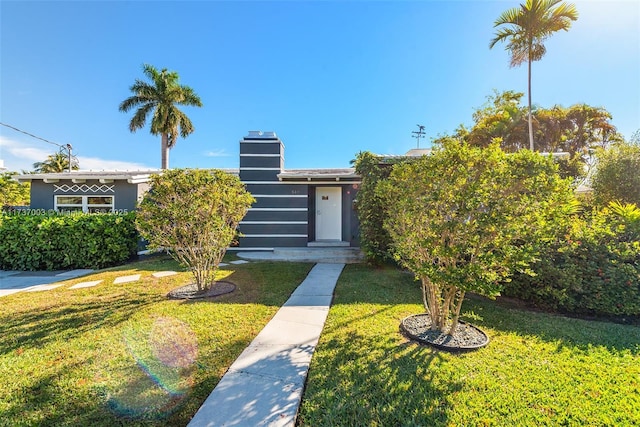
293,208
87,191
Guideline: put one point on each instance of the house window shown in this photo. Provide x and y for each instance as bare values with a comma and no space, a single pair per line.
90,204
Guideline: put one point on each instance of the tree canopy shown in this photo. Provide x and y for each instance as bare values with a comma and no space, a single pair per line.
577,130
465,218
160,98
194,213
58,162
524,29
12,192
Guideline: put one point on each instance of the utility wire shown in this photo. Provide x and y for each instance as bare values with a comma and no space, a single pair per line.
33,136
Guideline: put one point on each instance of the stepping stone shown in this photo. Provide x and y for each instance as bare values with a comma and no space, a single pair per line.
159,274
223,264
240,261
126,279
41,288
85,284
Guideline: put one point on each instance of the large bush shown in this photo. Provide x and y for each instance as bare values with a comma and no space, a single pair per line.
194,214
33,240
594,269
464,218
617,174
371,208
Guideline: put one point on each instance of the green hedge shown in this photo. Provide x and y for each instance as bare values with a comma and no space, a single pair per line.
57,242
594,269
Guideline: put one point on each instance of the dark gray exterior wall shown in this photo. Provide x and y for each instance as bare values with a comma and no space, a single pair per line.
126,195
284,213
41,195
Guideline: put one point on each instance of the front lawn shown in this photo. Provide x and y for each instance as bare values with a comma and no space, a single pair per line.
539,369
125,355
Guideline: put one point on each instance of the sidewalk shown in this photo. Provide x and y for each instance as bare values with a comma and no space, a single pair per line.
16,281
264,386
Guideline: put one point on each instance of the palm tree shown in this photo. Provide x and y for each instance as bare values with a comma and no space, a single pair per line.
161,96
525,30
58,162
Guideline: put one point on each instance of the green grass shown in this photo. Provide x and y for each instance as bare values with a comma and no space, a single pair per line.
538,369
124,354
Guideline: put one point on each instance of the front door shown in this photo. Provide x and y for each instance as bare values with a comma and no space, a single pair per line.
328,213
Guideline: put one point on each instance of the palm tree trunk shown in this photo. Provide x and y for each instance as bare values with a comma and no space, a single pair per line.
530,120
164,154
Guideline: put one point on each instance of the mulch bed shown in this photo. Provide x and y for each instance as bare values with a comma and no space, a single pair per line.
191,291
466,336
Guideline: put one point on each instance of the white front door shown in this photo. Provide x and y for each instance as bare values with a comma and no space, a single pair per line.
328,213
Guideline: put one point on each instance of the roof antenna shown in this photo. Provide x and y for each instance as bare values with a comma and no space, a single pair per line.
69,148
418,134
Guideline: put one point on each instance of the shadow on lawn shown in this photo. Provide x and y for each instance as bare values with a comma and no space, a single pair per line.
34,328
567,332
389,286
399,387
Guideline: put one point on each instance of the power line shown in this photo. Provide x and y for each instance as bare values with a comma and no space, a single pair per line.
67,147
32,135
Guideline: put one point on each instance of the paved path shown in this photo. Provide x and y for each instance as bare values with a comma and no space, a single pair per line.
16,281
264,385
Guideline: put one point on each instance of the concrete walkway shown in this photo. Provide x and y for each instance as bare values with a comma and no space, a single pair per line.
16,281
264,386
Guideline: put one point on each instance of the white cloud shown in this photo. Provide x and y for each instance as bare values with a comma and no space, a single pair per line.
19,156
218,153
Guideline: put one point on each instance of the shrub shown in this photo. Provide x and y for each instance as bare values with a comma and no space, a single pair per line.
55,242
194,214
371,209
464,218
616,177
594,269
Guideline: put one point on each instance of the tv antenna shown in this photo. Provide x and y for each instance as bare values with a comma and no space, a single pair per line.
417,134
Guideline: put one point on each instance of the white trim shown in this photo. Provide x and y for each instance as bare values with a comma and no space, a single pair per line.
304,183
276,222
275,235
260,169
84,205
280,195
279,209
310,182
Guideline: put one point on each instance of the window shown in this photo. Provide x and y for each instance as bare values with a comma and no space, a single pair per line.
90,204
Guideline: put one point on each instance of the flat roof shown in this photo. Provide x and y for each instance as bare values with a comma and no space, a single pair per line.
319,174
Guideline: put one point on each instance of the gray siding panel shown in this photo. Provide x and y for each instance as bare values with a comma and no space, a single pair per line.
272,242
260,162
273,228
270,147
258,175
280,202
275,216
277,189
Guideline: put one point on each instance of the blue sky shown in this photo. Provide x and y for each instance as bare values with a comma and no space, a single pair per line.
331,78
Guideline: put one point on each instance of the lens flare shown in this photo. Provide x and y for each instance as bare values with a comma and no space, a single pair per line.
165,351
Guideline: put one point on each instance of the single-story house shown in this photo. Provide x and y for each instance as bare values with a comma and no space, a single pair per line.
87,191
293,208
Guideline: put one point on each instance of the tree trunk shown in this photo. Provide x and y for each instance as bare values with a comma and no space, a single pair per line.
164,151
530,120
